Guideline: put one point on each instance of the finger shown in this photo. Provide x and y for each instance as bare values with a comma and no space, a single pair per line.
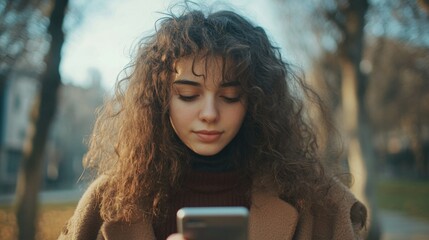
176,236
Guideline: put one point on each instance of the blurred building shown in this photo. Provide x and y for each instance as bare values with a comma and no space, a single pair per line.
74,121
18,96
65,147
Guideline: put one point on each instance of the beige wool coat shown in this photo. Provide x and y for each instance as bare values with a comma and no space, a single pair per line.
270,218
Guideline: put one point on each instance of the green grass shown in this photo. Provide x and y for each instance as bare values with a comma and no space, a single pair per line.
52,218
409,197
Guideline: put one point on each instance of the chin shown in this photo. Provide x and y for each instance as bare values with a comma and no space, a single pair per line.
207,152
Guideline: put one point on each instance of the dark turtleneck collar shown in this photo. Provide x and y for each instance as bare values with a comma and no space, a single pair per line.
223,161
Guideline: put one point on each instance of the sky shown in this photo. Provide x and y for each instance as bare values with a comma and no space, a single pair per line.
104,36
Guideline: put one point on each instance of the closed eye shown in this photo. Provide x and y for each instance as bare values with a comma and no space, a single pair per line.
187,98
231,99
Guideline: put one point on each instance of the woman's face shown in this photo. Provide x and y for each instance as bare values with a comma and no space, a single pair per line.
205,113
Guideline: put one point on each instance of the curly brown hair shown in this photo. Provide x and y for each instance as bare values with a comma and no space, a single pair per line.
134,145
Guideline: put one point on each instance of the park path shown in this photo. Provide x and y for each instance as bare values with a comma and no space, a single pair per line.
57,196
396,226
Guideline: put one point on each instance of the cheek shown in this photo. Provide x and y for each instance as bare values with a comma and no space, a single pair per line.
236,116
180,115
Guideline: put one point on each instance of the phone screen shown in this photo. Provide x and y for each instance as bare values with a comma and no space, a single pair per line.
207,223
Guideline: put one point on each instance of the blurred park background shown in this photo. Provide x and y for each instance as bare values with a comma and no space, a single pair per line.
368,59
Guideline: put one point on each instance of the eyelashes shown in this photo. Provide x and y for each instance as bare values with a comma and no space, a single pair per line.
231,99
191,98
187,98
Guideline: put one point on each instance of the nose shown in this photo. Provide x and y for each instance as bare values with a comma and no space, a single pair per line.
209,111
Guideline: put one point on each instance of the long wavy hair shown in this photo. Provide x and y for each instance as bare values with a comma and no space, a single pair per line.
134,146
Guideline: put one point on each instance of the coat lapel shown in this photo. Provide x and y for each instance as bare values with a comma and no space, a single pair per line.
128,231
271,218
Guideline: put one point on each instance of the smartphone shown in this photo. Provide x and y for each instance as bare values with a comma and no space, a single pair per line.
210,223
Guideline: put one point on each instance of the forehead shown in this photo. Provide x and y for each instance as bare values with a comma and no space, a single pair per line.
200,66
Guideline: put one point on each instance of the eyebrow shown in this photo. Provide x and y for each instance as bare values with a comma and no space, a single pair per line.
197,84
187,82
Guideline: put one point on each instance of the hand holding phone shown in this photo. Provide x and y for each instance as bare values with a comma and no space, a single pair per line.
210,223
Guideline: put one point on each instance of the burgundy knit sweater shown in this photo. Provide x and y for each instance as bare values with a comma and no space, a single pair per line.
202,189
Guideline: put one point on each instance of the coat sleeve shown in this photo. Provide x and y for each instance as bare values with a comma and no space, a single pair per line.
343,217
86,220
358,217
349,214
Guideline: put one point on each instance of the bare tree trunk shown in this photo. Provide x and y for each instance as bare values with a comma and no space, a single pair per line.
3,78
413,129
361,152
30,174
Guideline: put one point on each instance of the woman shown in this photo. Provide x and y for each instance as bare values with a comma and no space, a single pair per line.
210,116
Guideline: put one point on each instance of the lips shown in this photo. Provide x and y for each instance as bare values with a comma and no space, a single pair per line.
208,136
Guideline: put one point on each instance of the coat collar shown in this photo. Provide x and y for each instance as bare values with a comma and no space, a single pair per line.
270,217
